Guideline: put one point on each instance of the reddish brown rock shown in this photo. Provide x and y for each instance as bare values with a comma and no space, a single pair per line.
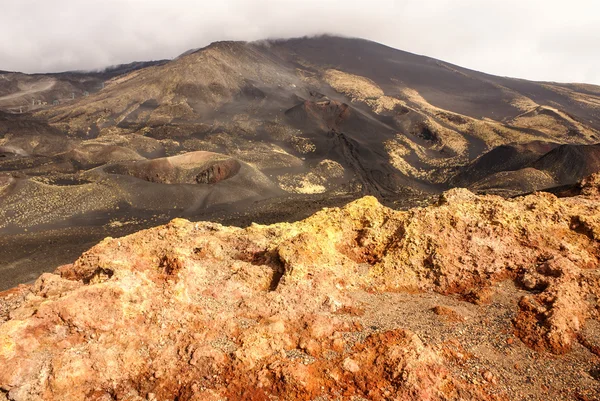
448,313
198,311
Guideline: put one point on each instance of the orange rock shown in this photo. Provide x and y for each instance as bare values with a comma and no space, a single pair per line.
351,365
448,313
201,311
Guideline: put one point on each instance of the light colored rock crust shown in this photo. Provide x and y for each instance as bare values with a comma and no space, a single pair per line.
198,311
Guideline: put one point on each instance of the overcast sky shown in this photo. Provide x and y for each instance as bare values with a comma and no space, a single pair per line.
534,39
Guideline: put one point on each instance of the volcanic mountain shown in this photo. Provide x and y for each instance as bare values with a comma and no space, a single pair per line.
425,285
242,132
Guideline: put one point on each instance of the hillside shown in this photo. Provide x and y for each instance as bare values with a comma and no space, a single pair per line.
309,122
22,93
406,119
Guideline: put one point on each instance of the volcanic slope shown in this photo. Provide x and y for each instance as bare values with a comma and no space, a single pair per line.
22,93
310,122
391,119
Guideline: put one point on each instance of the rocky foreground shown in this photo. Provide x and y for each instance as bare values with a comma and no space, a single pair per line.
475,298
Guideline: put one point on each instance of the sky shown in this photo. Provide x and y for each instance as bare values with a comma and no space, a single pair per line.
532,39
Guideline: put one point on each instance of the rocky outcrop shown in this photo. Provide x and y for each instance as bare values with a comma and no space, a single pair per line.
199,311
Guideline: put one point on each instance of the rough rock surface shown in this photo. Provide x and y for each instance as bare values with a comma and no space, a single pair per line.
360,302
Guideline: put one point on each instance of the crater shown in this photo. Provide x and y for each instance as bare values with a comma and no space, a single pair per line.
219,171
190,168
425,133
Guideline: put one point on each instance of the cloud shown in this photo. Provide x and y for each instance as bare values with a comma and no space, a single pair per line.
533,39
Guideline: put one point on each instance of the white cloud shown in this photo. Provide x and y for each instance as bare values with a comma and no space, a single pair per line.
534,39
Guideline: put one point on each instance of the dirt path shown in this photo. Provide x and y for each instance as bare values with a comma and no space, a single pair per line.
35,87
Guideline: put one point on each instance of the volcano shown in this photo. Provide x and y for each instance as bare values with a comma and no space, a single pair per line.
290,126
